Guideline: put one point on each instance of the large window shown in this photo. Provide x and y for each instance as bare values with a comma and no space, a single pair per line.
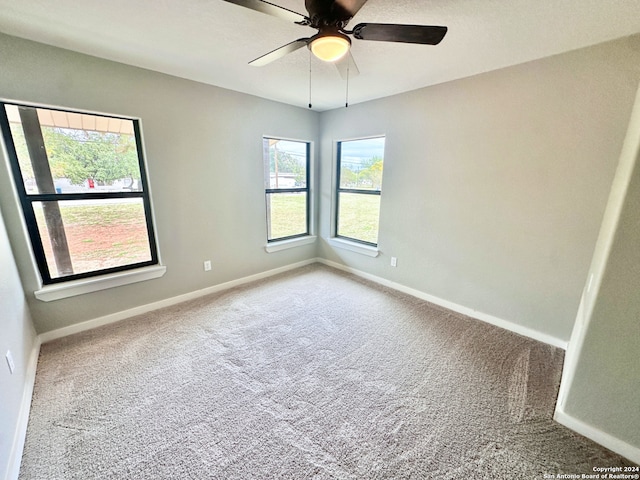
82,185
358,194
286,167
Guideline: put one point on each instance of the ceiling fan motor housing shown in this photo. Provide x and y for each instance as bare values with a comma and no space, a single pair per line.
325,14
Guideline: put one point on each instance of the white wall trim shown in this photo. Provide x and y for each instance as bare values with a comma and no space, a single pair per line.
291,243
367,250
93,284
498,322
20,434
612,443
124,314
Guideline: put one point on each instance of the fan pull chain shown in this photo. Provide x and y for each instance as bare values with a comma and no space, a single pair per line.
310,79
346,100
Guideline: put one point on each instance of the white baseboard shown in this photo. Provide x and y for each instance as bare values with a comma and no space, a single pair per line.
132,312
20,434
118,316
498,322
612,443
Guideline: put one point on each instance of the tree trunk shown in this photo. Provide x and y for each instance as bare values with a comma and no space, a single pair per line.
44,181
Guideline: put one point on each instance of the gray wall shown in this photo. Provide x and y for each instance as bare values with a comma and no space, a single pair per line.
601,382
493,193
197,138
16,334
494,186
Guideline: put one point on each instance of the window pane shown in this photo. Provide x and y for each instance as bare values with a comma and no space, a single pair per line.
361,163
358,216
286,214
83,153
287,163
100,234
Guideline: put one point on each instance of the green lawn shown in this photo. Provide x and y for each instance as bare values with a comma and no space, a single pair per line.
358,216
288,214
104,215
99,236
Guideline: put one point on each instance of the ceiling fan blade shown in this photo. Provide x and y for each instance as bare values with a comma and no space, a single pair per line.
352,6
347,67
272,9
279,52
387,32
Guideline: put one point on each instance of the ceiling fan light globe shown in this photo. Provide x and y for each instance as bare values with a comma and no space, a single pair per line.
330,48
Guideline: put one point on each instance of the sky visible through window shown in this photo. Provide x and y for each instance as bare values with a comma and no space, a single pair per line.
296,149
356,153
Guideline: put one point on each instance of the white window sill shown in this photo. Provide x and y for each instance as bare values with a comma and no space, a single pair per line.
58,291
354,247
291,243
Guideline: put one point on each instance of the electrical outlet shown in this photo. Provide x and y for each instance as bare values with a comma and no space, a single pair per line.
207,265
12,366
394,262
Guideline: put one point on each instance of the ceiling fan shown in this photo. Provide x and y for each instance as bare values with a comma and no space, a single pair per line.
332,42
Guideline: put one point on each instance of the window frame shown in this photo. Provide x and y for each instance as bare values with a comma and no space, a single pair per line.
147,269
288,240
361,244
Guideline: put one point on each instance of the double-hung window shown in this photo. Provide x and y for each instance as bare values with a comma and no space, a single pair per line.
81,181
359,184
286,174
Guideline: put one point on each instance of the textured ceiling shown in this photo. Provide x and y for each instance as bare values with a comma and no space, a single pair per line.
211,41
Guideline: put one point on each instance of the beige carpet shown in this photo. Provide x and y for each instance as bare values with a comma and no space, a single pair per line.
310,374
